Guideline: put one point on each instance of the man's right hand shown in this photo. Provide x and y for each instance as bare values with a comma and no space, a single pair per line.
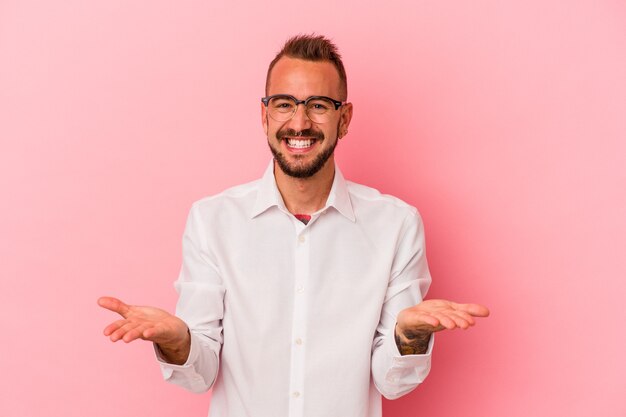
170,333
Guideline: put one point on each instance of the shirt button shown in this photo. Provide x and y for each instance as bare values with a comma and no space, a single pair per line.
302,239
295,394
300,288
298,341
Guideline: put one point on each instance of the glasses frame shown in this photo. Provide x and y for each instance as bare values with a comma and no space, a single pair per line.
266,102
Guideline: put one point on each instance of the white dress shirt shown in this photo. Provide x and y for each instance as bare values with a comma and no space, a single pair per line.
297,320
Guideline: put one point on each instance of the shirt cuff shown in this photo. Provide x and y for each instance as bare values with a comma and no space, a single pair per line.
408,361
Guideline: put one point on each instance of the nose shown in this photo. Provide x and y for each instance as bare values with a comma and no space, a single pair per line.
300,119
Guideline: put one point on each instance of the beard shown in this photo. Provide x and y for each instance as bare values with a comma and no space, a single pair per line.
300,170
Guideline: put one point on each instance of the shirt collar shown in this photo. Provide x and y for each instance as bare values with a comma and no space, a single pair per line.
269,196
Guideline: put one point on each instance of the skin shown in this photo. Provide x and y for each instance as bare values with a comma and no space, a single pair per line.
149,323
415,324
300,79
303,79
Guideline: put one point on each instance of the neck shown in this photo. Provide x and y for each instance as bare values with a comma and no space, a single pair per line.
306,195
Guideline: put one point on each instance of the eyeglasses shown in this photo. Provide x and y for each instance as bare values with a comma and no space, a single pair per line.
282,107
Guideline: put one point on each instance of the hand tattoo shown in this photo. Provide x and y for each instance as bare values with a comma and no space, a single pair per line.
412,343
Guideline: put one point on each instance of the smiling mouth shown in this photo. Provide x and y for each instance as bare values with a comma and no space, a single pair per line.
299,143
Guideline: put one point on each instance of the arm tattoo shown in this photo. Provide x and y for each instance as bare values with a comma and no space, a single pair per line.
413,343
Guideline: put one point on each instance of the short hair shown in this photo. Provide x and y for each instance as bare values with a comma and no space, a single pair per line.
312,48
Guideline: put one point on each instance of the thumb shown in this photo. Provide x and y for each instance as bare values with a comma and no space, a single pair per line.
115,305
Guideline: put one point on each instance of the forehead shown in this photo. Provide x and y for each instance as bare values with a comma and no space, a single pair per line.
302,78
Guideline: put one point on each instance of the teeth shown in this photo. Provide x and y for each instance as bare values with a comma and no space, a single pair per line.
299,143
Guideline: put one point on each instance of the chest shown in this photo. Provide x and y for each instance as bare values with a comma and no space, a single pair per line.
274,268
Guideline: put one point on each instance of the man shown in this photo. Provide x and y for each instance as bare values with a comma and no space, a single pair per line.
301,294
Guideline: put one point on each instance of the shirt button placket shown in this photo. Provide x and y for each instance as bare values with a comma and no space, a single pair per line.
298,330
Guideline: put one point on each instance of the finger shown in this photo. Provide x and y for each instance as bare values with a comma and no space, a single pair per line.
461,321
136,333
466,317
476,310
113,304
121,332
114,326
153,333
425,318
445,320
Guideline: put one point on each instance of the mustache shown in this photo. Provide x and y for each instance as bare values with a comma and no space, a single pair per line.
304,133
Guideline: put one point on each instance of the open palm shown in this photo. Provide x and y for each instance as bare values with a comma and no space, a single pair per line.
144,322
434,315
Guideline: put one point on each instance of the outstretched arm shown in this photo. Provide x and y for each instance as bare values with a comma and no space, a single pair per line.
416,324
149,323
188,345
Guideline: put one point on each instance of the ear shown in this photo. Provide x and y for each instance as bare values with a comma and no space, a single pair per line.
345,118
264,117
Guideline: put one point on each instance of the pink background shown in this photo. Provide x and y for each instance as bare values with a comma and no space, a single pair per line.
503,122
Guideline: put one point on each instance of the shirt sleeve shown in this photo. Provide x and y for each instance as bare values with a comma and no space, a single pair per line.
201,307
395,375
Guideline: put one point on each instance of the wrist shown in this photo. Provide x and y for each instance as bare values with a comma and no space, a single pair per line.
178,352
411,342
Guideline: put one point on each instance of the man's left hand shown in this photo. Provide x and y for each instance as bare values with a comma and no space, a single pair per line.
416,324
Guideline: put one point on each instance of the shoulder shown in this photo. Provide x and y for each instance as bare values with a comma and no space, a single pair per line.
370,199
242,196
386,218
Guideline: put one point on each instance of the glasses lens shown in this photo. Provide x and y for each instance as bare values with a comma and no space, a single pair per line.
281,108
319,109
